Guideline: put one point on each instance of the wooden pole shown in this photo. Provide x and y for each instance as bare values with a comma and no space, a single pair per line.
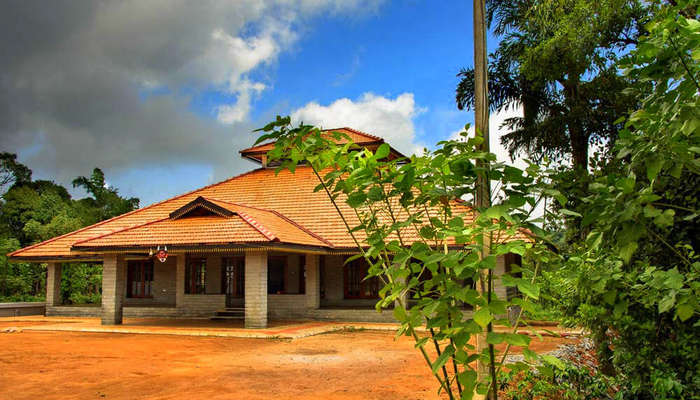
483,186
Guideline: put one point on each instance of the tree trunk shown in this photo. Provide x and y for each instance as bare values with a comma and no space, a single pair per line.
483,189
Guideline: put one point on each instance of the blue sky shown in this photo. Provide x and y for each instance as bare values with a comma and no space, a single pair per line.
163,99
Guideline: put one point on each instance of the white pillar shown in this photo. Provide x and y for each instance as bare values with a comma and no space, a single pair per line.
180,261
256,289
113,285
313,282
53,284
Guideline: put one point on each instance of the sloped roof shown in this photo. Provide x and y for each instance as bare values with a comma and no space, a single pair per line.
364,139
259,207
238,224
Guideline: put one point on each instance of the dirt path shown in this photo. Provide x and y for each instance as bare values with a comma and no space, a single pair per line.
344,365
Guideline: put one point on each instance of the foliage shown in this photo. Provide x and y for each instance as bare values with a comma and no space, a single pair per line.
11,171
556,59
34,211
635,279
410,222
105,202
559,381
19,281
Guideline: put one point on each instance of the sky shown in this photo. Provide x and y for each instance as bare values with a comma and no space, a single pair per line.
161,95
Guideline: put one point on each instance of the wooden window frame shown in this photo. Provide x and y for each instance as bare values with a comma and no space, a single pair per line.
239,271
192,286
372,283
302,274
508,260
139,271
284,273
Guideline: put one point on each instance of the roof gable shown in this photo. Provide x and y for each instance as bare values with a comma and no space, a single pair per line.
200,207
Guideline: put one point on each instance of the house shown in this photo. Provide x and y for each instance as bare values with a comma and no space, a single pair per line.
261,242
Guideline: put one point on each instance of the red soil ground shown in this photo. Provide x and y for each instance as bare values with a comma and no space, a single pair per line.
344,365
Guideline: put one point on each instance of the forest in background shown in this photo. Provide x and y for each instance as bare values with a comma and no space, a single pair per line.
32,211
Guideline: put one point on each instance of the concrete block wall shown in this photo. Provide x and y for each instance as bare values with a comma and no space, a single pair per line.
256,290
202,304
313,281
500,269
286,306
53,284
113,288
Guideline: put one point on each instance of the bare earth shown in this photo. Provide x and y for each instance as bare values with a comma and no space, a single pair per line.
343,365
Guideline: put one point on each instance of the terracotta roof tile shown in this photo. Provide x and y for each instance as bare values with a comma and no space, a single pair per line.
268,207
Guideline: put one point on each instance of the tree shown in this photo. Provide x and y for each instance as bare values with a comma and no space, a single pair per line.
34,211
409,222
557,59
12,172
105,202
635,280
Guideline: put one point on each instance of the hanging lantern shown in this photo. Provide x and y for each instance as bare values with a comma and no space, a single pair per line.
162,255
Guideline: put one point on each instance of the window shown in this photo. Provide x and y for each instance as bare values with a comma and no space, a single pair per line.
511,259
302,274
356,286
196,276
232,276
276,267
139,279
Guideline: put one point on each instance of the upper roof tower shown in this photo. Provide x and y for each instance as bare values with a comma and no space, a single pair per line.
259,153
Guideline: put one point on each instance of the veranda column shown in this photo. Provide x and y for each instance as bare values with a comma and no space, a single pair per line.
313,282
256,289
53,284
113,285
180,261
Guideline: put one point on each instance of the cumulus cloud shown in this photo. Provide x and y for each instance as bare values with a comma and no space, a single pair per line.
109,84
392,119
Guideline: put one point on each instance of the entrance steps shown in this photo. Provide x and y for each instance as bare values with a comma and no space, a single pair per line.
229,313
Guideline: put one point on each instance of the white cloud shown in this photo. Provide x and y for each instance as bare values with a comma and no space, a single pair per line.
392,119
496,131
238,112
110,84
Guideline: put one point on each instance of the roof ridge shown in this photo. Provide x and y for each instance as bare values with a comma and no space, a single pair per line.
132,212
286,218
257,226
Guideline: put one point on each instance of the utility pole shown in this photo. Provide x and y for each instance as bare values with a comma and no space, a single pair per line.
483,184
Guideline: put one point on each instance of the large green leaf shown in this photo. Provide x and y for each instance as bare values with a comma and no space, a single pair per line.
483,316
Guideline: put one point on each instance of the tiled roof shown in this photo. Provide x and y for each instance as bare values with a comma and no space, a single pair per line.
355,135
265,207
256,153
